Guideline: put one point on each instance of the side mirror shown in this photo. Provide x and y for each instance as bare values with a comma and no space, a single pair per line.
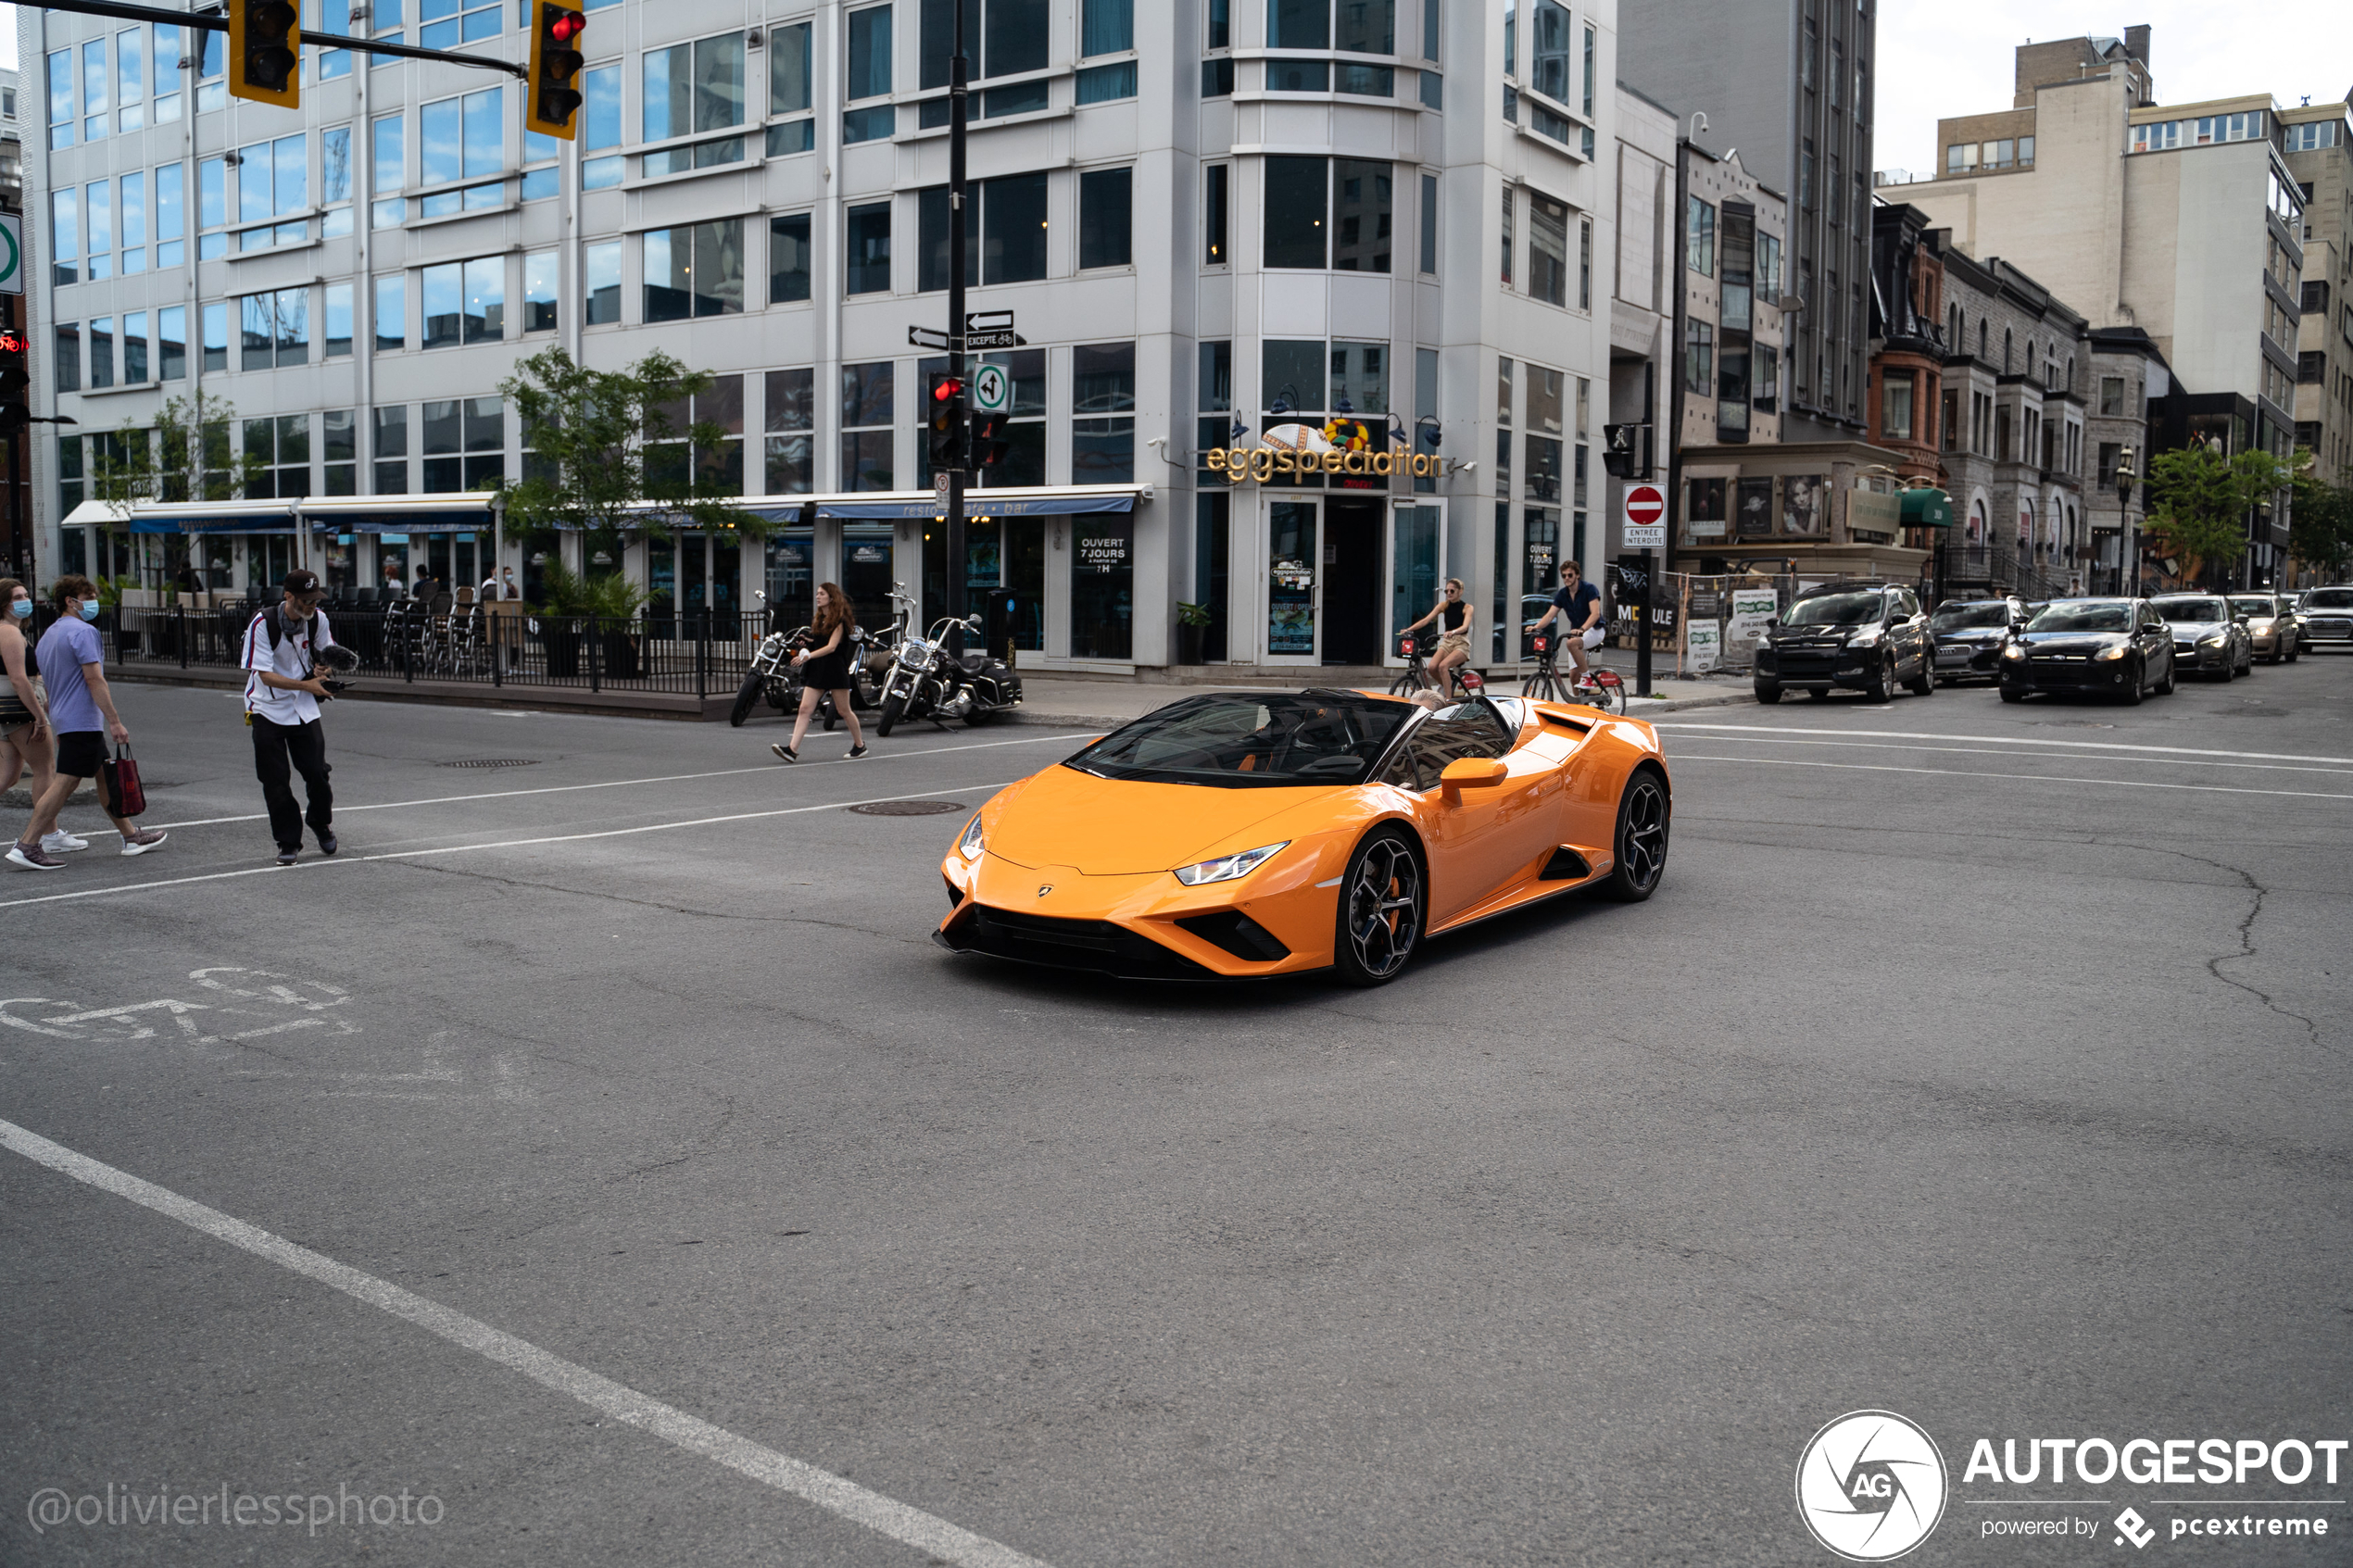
1771,622
1471,773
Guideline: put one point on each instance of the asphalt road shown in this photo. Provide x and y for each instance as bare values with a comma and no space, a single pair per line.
1983,1064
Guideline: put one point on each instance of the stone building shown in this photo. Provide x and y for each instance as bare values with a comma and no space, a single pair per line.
2319,153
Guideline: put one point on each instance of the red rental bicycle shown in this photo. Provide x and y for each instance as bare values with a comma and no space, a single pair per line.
1595,688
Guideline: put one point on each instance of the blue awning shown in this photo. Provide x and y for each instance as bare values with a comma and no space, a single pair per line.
406,522
979,504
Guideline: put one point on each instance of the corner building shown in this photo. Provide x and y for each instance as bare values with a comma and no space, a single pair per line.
1383,219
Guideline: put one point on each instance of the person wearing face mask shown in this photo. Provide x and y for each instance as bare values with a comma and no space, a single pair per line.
81,712
25,749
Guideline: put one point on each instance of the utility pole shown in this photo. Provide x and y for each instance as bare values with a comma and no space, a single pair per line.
958,99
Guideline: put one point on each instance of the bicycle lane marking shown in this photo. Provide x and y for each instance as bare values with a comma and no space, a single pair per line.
623,783
501,844
835,1494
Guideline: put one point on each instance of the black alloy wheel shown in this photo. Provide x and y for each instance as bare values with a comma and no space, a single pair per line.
1644,815
893,706
1382,904
1925,685
1883,687
747,698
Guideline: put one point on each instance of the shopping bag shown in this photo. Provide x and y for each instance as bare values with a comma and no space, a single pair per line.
123,790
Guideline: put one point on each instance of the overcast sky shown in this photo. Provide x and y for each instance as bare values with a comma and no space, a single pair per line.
1938,60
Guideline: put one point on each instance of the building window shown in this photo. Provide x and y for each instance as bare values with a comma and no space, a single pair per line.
334,181
600,271
789,258
1699,356
719,467
215,337
387,150
1429,218
465,302
391,451
470,23
465,444
64,235
392,312
1547,44
1510,197
102,352
1365,207
276,328
339,452
540,305
1297,205
791,418
695,271
338,303
869,33
866,437
1103,217
1214,204
170,215
278,455
1547,249
171,342
690,88
1213,398
788,90
1542,424
1699,238
600,166
869,235
1103,440
462,138
1896,406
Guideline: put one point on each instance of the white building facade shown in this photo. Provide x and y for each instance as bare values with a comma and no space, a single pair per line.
1208,218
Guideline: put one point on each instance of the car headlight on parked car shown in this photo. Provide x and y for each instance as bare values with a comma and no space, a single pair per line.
2215,641
2115,650
969,846
2014,651
1227,867
1865,638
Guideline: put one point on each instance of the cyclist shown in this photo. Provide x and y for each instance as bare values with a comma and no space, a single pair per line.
1579,605
1455,616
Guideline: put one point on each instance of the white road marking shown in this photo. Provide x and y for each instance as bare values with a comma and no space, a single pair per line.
1997,740
1981,751
501,844
835,1494
2030,778
621,784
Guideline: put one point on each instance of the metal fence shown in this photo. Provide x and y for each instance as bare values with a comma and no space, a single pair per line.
698,653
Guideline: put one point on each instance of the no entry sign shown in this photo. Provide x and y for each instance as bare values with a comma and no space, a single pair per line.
1645,517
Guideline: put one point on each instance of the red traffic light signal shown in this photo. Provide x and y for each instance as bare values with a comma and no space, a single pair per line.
947,421
14,343
988,443
947,389
551,99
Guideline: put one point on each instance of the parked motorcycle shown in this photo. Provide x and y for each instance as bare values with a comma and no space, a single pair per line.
926,682
774,676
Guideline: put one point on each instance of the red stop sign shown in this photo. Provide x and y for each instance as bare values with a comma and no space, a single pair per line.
1645,504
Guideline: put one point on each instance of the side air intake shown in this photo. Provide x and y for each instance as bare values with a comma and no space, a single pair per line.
1566,865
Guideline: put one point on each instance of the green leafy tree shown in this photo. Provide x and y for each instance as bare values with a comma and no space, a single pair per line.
610,453
2200,499
187,456
2320,533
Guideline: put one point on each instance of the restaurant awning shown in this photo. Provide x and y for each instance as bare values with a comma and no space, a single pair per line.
187,517
925,505
467,513
1927,509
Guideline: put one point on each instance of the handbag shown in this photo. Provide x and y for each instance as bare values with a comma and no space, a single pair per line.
120,772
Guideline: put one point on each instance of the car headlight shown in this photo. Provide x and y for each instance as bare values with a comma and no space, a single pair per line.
2014,651
1226,868
969,846
2215,641
1865,638
2113,651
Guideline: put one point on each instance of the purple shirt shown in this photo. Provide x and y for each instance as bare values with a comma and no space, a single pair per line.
64,649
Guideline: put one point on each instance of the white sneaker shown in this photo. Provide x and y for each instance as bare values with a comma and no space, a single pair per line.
63,843
142,840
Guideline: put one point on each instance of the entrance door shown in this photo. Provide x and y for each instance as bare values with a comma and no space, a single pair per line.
1356,537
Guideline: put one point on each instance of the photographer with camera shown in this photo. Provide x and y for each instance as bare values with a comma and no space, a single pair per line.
284,646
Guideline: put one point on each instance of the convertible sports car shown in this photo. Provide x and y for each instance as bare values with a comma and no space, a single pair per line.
1244,834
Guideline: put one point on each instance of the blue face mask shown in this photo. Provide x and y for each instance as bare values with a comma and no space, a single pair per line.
89,609
21,608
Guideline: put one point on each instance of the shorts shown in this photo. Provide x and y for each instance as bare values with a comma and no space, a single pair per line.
1594,636
79,752
1454,641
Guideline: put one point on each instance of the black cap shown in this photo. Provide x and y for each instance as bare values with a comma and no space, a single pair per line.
300,581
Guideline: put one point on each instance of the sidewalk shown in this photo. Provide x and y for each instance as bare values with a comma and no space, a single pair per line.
1055,699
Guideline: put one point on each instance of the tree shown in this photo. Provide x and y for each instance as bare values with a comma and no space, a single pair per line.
2198,502
186,457
2319,536
603,443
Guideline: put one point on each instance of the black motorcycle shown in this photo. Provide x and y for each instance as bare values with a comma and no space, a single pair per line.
928,682
774,676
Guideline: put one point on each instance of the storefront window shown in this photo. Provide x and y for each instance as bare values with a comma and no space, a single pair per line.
1755,509
1290,578
1211,533
1413,569
1704,516
866,572
1102,579
790,579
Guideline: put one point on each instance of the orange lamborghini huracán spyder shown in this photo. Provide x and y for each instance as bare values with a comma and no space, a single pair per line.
1243,833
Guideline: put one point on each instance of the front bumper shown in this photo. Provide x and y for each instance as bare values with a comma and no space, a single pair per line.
1961,661
2074,672
2189,658
2329,629
1803,665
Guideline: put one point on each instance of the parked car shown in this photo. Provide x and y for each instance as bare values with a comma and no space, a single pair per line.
2119,648
2278,635
2327,614
1863,636
1970,634
2208,638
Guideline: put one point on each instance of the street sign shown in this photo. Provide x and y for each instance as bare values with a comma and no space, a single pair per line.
1645,517
988,320
11,253
926,337
992,389
940,479
999,338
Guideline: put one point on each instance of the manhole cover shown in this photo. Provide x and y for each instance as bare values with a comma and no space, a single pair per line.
491,762
907,809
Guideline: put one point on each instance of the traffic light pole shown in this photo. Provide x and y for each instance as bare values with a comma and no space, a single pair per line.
958,99
206,22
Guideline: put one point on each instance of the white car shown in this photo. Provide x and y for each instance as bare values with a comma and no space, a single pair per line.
2327,614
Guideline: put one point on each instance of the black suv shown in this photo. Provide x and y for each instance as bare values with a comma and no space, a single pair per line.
1865,636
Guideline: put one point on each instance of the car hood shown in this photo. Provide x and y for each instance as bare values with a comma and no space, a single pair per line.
2073,642
1119,827
2198,630
1974,634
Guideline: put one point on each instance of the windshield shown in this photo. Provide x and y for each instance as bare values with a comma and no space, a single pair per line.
2328,598
1243,740
2258,607
2190,609
1834,609
2097,616
1976,617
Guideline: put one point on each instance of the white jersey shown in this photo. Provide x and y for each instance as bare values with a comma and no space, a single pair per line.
290,659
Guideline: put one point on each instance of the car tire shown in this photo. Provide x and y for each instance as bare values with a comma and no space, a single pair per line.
747,698
1767,694
2011,694
2165,687
2131,694
2230,669
1817,693
1638,854
1384,901
1926,684
1883,687
893,706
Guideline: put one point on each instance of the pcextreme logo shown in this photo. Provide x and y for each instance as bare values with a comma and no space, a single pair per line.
1870,1486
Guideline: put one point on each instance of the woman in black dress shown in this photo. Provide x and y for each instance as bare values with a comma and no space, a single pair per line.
826,667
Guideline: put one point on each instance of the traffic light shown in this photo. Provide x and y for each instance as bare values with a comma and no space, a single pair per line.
947,421
554,98
265,52
988,443
1625,451
15,380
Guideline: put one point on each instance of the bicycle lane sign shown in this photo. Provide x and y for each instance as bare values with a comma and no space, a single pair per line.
11,253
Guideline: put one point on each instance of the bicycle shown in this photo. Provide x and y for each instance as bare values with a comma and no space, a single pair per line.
1415,677
1595,688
